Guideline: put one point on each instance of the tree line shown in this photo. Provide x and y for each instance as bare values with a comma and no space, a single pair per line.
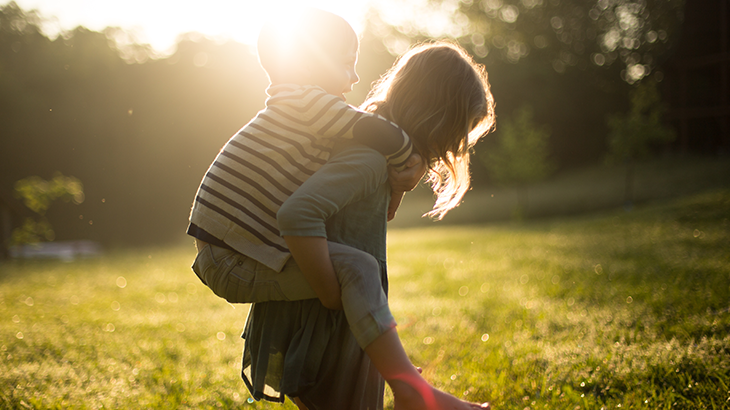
139,132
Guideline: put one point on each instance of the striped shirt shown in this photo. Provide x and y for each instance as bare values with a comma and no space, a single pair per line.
270,157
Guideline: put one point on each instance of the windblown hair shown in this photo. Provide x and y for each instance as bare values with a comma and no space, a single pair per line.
300,36
441,98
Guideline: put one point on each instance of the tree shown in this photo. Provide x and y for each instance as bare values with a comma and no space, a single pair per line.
633,134
37,194
139,131
567,33
520,156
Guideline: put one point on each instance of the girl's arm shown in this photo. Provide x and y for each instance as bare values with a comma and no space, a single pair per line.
349,176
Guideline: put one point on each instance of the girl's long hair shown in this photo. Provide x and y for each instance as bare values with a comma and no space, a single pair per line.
441,98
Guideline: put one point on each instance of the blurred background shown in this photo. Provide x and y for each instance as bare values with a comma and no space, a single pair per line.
134,102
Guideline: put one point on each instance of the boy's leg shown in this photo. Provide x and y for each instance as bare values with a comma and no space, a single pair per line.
240,279
363,299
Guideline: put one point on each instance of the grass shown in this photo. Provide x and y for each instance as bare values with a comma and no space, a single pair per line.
577,191
616,310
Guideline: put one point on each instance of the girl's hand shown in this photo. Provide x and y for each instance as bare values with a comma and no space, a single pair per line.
406,180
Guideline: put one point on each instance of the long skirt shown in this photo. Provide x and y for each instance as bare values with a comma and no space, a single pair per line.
302,349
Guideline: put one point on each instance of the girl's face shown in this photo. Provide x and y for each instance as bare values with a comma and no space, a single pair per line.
338,74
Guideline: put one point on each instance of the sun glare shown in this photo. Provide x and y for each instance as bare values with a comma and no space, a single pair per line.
159,22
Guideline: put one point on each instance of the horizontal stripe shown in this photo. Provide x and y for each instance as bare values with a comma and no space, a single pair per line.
264,158
284,101
290,95
282,152
291,142
241,224
347,126
238,206
309,122
268,211
400,158
293,130
255,184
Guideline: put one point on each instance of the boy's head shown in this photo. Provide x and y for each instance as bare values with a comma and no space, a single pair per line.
310,47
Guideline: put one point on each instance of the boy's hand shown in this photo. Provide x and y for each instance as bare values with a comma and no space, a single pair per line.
395,200
409,178
403,181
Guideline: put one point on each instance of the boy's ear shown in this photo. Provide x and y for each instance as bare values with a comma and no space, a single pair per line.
308,68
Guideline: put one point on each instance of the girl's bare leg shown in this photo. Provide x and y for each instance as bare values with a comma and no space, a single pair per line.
410,390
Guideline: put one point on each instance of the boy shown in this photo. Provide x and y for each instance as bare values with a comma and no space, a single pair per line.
241,255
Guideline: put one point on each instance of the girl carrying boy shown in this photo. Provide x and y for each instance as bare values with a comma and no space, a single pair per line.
445,123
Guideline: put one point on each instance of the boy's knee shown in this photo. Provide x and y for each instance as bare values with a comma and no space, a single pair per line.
348,260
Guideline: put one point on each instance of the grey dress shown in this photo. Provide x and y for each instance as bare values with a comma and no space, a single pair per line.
301,349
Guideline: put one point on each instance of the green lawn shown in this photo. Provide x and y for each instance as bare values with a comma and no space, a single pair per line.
618,310
577,191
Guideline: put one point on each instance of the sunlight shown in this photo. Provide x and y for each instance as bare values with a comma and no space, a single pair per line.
160,22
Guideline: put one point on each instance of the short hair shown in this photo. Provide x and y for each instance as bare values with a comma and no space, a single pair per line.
306,35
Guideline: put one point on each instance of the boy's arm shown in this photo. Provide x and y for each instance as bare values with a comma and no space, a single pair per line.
313,257
387,138
331,118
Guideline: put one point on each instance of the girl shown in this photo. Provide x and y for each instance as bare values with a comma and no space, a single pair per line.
441,98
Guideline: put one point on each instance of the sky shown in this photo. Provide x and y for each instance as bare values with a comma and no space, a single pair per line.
158,22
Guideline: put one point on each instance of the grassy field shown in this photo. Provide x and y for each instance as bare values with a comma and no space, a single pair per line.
577,191
617,310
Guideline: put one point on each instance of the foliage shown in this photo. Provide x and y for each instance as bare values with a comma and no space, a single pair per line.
570,33
632,134
521,154
38,194
614,311
139,132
